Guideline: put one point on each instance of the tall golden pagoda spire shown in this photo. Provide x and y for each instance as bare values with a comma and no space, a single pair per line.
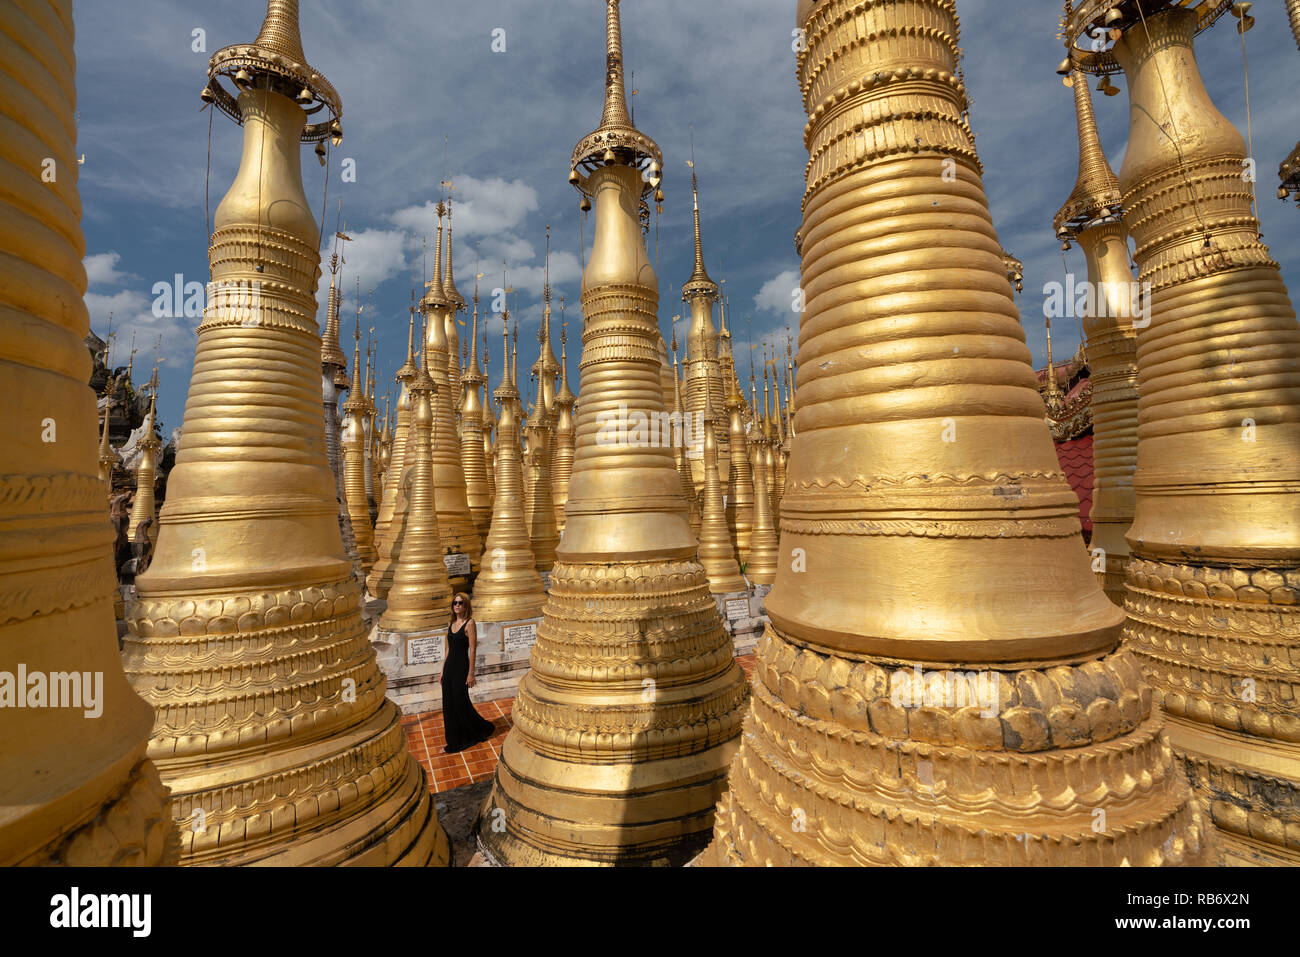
546,368
455,306
393,504
334,378
508,587
420,598
701,366
472,460
543,534
1091,216
108,459
761,560
930,526
272,728
716,553
626,720
143,510
355,407
565,436
455,521
77,786
740,483
769,448
679,441
1213,583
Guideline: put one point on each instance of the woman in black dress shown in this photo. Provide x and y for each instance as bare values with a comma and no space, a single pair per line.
465,727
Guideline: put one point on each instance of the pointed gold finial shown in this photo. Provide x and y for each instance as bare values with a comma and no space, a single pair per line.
616,141
1096,190
277,54
699,284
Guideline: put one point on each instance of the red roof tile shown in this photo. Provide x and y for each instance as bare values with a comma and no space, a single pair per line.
1075,456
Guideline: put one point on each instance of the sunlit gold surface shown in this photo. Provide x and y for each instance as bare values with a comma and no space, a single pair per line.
143,510
1091,217
333,378
740,483
565,436
271,725
1214,585
508,587
678,439
74,789
702,367
472,459
392,506
420,598
715,551
761,559
543,536
455,522
900,548
626,722
354,477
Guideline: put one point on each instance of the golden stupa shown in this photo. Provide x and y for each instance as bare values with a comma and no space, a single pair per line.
701,367
1091,217
565,436
508,587
76,787
391,518
271,725
455,521
420,597
941,681
1214,582
143,523
626,722
683,436
761,559
355,407
334,377
472,459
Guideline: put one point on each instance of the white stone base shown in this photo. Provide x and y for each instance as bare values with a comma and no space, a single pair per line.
415,688
744,629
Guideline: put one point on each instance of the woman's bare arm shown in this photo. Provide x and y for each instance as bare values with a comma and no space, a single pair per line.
471,630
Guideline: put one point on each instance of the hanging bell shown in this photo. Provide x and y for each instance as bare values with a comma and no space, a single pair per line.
320,151
1065,246
1064,67
1241,11
574,178
207,95
1113,16
242,79
585,205
305,96
1282,192
659,196
336,132
1107,87
609,155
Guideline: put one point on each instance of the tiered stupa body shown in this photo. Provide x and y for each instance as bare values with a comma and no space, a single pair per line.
701,367
420,598
144,512
715,549
390,523
355,409
761,560
455,521
473,461
740,482
1091,216
543,534
625,723
1214,582
334,378
75,787
927,524
684,437
508,587
271,724
565,436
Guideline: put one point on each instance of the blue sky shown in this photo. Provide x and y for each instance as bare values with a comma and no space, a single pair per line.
424,93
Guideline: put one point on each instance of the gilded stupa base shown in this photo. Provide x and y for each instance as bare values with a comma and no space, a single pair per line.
1221,648
258,776
623,728
1065,765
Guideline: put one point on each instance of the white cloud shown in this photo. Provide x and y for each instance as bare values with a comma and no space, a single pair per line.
132,313
776,296
101,269
374,256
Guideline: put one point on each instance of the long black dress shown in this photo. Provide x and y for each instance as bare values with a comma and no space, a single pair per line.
465,727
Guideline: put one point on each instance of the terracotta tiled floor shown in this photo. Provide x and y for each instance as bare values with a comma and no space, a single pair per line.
426,739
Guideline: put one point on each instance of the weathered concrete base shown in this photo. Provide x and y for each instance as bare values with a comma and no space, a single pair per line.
412,661
744,624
